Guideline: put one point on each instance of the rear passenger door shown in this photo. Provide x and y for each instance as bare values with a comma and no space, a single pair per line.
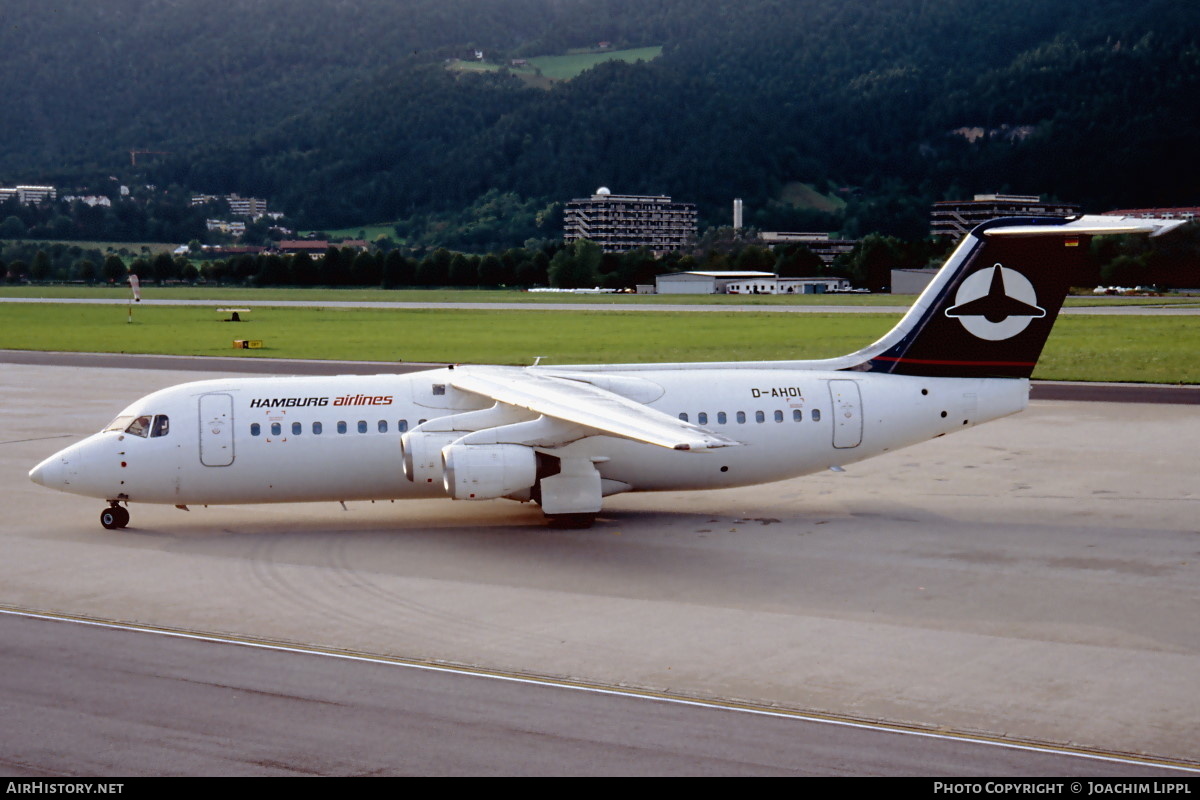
847,413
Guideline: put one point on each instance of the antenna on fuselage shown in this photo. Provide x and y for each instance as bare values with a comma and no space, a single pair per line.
537,360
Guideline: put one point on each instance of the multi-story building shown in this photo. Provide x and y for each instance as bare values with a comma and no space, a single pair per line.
29,194
622,222
246,206
956,218
225,226
253,207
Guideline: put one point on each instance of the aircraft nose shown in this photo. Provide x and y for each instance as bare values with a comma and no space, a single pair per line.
51,473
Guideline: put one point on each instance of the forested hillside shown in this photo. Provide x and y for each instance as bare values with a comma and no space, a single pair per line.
341,112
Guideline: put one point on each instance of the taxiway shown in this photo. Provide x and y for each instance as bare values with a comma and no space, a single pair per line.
1033,579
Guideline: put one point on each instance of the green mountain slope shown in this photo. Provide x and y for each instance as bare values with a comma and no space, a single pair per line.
342,112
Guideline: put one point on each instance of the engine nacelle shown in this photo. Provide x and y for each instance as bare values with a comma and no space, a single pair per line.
483,472
422,454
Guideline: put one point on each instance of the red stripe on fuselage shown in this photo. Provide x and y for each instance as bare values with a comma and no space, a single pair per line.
956,363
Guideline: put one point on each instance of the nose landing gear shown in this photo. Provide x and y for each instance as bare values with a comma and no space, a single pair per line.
114,517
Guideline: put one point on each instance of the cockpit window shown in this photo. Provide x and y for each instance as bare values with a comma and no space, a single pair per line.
118,424
139,427
162,426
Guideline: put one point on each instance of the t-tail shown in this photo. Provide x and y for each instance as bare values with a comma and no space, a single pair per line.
989,310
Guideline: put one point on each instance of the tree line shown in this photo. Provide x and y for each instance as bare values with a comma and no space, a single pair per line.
1168,262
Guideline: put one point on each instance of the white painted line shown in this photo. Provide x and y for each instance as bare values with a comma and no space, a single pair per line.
602,690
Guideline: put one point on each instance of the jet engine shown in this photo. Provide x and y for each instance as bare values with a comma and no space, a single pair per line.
422,454
483,472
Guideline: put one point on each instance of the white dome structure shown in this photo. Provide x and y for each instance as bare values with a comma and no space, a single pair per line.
603,191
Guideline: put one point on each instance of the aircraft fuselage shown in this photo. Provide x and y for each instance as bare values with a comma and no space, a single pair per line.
260,440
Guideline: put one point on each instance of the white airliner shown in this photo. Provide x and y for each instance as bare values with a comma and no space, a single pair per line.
566,437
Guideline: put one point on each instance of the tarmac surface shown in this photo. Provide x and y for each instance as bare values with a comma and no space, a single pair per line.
1035,579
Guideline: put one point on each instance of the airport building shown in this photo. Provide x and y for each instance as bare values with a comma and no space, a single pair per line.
911,281
777,285
956,218
744,282
623,222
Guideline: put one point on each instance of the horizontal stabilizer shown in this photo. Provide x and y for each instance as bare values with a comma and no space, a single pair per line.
1092,225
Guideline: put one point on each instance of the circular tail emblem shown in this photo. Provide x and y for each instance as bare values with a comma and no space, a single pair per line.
996,304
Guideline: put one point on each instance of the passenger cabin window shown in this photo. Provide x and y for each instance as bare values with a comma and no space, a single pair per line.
683,416
341,426
297,428
702,418
778,416
797,415
722,418
816,415
362,426
255,429
741,417
276,429
402,425
383,426
317,427
760,416
162,426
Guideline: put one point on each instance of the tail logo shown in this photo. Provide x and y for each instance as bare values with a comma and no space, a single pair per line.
996,304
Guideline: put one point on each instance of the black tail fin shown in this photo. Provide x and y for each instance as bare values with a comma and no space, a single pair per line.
989,311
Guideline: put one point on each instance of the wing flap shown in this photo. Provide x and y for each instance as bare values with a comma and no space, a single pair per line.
586,405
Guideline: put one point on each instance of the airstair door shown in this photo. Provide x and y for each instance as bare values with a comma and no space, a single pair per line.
847,413
216,430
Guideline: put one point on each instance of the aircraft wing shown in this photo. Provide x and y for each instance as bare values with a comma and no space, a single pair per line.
583,404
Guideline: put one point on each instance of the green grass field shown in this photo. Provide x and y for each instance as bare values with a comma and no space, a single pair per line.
133,248
560,68
564,68
367,233
1135,349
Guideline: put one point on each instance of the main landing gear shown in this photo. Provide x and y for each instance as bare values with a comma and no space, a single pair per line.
114,517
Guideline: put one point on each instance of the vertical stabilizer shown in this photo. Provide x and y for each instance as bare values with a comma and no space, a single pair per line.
989,311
